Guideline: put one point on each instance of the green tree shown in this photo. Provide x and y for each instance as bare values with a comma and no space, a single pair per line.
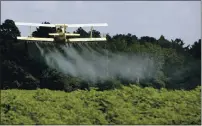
82,33
8,35
8,30
195,50
43,31
95,33
164,42
145,39
52,79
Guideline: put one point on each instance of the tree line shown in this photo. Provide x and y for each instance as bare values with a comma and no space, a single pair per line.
180,69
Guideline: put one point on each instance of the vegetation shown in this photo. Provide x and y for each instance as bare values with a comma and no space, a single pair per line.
128,105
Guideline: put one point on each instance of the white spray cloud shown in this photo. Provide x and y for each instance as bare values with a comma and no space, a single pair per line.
92,65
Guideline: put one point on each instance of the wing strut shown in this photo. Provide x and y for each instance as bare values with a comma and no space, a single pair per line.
91,30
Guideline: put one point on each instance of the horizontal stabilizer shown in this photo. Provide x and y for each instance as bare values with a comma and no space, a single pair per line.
67,34
35,39
86,39
34,24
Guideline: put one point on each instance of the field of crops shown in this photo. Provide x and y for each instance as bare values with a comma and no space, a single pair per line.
129,105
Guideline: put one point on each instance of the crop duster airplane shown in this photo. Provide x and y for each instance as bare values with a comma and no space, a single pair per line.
61,36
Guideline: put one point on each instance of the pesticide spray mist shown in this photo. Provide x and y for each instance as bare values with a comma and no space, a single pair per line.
98,64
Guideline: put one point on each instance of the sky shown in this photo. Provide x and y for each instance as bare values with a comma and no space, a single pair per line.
173,19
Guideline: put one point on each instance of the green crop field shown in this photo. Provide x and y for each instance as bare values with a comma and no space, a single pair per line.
128,105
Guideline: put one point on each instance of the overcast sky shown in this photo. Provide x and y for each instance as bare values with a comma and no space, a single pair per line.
173,19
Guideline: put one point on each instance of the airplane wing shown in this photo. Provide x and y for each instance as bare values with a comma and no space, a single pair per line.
68,25
70,40
86,25
34,24
35,39
86,39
